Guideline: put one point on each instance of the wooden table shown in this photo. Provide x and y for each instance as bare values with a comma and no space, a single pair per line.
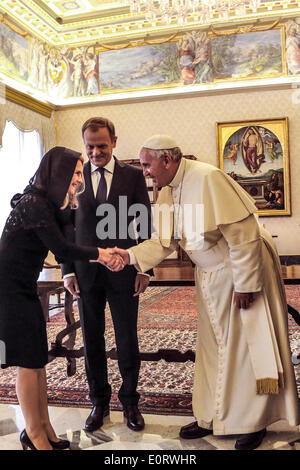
50,282
291,274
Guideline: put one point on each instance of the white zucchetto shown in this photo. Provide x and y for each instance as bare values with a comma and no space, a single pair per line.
160,142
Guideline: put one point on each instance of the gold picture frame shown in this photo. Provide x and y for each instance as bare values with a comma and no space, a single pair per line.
256,154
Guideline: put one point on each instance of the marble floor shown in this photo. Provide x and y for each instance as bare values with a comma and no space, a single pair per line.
160,433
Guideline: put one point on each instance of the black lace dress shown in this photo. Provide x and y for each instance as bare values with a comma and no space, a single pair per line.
33,228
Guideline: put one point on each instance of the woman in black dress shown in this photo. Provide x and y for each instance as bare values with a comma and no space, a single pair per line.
36,225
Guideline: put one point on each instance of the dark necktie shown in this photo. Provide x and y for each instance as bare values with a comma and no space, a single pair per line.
102,187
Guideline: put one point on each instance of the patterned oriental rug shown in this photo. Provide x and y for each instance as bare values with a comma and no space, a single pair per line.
167,320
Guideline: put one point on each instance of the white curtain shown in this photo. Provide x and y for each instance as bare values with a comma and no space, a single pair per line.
20,156
27,119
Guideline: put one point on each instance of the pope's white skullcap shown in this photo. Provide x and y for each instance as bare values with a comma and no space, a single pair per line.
160,142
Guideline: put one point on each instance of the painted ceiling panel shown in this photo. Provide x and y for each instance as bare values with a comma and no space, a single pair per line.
67,8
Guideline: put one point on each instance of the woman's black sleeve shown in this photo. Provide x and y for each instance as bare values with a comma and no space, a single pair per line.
63,250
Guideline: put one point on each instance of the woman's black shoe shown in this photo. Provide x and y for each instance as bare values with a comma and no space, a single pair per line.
60,445
25,441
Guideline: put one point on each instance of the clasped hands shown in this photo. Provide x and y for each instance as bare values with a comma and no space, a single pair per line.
114,259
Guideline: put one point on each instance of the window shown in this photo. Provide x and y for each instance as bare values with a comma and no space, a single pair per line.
20,156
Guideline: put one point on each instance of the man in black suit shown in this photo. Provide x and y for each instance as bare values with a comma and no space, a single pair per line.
108,182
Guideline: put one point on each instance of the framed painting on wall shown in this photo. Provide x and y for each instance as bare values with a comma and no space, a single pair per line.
256,155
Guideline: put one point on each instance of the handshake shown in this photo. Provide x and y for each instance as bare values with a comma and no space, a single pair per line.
114,259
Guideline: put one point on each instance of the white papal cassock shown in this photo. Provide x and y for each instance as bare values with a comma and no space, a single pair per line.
244,379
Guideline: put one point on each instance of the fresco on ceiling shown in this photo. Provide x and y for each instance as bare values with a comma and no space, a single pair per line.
169,64
64,72
13,53
247,55
38,76
292,41
194,59
139,67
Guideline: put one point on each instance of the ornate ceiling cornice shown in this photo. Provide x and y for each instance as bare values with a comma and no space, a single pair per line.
113,23
15,96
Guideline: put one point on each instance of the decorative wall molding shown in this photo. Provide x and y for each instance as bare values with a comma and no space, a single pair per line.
4,19
245,28
29,102
141,42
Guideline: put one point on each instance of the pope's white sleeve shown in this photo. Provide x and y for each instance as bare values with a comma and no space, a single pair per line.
150,253
132,258
245,251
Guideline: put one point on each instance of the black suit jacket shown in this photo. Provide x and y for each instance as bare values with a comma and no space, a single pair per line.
127,181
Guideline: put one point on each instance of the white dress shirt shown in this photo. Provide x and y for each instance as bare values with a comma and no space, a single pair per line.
108,174
95,178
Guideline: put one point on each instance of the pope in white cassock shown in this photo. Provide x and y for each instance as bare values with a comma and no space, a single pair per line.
244,379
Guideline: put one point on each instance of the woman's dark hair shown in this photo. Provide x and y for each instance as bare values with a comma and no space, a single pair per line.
53,176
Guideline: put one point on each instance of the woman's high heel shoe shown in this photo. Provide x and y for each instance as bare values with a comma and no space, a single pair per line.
60,445
25,441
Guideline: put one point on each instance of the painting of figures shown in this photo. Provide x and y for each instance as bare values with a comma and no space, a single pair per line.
176,63
38,74
83,71
58,74
139,67
255,154
292,41
247,55
13,53
63,72
194,58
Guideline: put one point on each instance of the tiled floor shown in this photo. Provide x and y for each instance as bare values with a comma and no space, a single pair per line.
160,433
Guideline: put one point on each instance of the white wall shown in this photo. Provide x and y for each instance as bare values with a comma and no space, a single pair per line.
192,122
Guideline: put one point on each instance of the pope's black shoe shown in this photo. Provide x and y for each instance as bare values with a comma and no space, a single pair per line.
193,431
250,441
95,418
135,420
